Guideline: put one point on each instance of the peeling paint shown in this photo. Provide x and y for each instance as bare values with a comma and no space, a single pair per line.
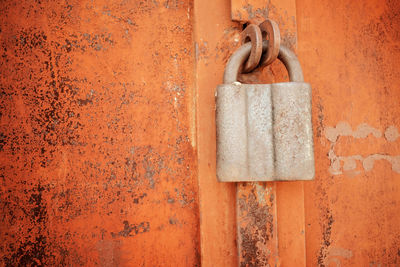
256,220
391,133
350,163
335,255
344,129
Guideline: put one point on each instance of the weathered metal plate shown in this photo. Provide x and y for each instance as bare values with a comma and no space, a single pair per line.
264,132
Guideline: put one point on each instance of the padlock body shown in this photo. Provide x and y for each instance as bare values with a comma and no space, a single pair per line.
264,132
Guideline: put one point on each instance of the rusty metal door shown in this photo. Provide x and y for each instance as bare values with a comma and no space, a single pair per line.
349,215
98,147
107,136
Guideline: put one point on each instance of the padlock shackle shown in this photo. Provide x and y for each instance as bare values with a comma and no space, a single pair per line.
287,57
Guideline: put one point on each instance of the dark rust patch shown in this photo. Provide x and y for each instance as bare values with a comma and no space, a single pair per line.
132,229
326,237
256,227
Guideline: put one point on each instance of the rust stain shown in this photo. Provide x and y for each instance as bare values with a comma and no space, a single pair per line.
256,11
245,11
256,219
327,237
132,229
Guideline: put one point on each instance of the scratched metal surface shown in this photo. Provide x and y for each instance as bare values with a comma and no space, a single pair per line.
98,165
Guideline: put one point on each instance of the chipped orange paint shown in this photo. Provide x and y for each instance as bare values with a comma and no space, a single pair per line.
98,164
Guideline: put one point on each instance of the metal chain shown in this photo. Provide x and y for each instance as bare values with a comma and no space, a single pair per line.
252,32
255,34
271,30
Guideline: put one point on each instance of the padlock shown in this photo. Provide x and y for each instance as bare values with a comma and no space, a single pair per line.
264,131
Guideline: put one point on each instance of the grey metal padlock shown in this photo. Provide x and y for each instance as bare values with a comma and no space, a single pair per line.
264,131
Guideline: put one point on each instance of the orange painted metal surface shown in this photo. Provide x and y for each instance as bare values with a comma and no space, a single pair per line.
98,158
348,216
216,36
350,54
107,135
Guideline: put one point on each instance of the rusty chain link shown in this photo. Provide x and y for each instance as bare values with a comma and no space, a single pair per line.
269,30
252,32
